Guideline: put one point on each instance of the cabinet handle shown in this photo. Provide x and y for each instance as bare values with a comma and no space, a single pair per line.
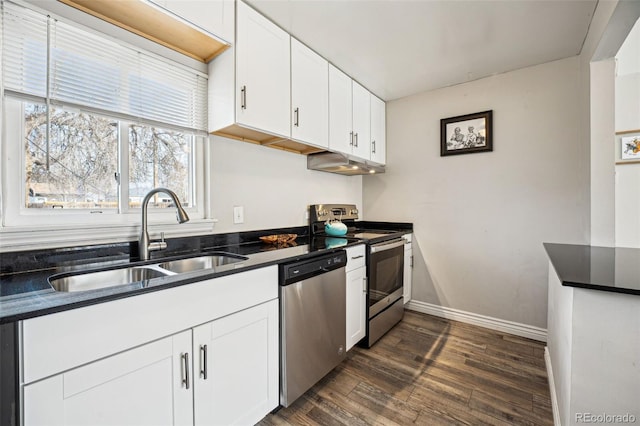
351,136
243,97
357,257
411,262
355,136
185,380
364,284
296,117
373,147
203,361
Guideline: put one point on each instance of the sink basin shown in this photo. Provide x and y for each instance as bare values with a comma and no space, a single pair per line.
201,262
103,279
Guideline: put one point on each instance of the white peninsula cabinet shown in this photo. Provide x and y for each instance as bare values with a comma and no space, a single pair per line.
204,353
250,83
309,96
356,294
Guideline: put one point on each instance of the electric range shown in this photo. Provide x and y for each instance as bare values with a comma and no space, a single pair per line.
385,264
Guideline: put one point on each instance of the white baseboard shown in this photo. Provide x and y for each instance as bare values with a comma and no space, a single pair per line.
552,388
522,330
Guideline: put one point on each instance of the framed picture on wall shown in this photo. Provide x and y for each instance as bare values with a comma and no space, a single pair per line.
466,134
628,146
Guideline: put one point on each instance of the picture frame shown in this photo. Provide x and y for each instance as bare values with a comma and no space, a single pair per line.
466,134
628,146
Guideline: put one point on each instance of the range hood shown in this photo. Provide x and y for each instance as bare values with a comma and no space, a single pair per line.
334,162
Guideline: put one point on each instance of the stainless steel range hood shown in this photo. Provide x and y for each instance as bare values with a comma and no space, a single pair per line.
334,162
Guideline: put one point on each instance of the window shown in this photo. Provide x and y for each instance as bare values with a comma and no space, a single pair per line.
91,125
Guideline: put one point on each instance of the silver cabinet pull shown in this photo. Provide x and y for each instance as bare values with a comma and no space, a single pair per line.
243,97
296,117
351,136
373,147
357,257
355,137
185,380
411,262
364,284
203,361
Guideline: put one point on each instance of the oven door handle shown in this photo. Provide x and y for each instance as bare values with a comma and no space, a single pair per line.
387,246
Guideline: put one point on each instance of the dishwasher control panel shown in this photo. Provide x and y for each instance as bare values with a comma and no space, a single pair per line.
304,269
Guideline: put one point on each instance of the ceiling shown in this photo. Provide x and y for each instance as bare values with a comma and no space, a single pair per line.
397,48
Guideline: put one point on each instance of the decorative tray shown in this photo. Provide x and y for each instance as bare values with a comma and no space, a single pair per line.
279,238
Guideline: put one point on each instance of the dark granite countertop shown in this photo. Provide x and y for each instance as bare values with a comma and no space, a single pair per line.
614,269
26,293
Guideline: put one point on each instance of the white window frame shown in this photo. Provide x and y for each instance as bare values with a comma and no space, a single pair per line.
22,230
23,227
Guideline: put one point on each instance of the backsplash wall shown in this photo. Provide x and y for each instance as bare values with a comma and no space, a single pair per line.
272,185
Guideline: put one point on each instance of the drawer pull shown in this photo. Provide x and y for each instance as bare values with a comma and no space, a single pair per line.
357,257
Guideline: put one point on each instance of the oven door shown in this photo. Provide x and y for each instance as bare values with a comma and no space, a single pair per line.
386,268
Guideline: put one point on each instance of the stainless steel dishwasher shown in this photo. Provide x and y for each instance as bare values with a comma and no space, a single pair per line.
312,321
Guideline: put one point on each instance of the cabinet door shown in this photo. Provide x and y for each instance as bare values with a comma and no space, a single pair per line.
378,131
263,92
214,16
309,96
142,386
356,306
361,121
408,271
236,367
340,111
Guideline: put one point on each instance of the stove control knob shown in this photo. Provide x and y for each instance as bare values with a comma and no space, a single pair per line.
323,213
354,211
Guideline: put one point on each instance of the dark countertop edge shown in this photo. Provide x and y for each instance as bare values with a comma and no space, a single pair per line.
174,281
584,284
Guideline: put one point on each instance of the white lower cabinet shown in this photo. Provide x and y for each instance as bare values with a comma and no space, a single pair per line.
199,354
236,367
142,386
407,278
356,302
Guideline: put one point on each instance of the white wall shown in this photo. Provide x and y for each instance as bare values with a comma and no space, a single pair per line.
627,118
274,186
480,219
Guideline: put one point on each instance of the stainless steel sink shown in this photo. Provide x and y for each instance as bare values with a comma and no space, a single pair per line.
104,279
201,262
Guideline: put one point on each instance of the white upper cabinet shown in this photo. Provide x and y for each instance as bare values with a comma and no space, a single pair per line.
262,73
350,117
309,96
340,110
214,16
378,131
361,121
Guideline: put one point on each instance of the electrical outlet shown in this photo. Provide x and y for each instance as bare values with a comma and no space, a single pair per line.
238,214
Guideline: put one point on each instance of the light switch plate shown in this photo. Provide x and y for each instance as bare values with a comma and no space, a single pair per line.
238,214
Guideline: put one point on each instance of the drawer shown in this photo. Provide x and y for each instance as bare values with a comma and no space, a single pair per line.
356,257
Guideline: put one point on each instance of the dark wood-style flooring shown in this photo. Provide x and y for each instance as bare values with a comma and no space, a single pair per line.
431,371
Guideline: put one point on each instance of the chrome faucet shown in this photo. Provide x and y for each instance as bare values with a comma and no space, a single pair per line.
144,245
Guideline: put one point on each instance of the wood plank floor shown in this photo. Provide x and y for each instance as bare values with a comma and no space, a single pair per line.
431,371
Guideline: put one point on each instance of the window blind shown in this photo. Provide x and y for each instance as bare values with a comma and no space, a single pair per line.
24,50
91,70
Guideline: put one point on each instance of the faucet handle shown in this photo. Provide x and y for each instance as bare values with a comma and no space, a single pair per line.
162,237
